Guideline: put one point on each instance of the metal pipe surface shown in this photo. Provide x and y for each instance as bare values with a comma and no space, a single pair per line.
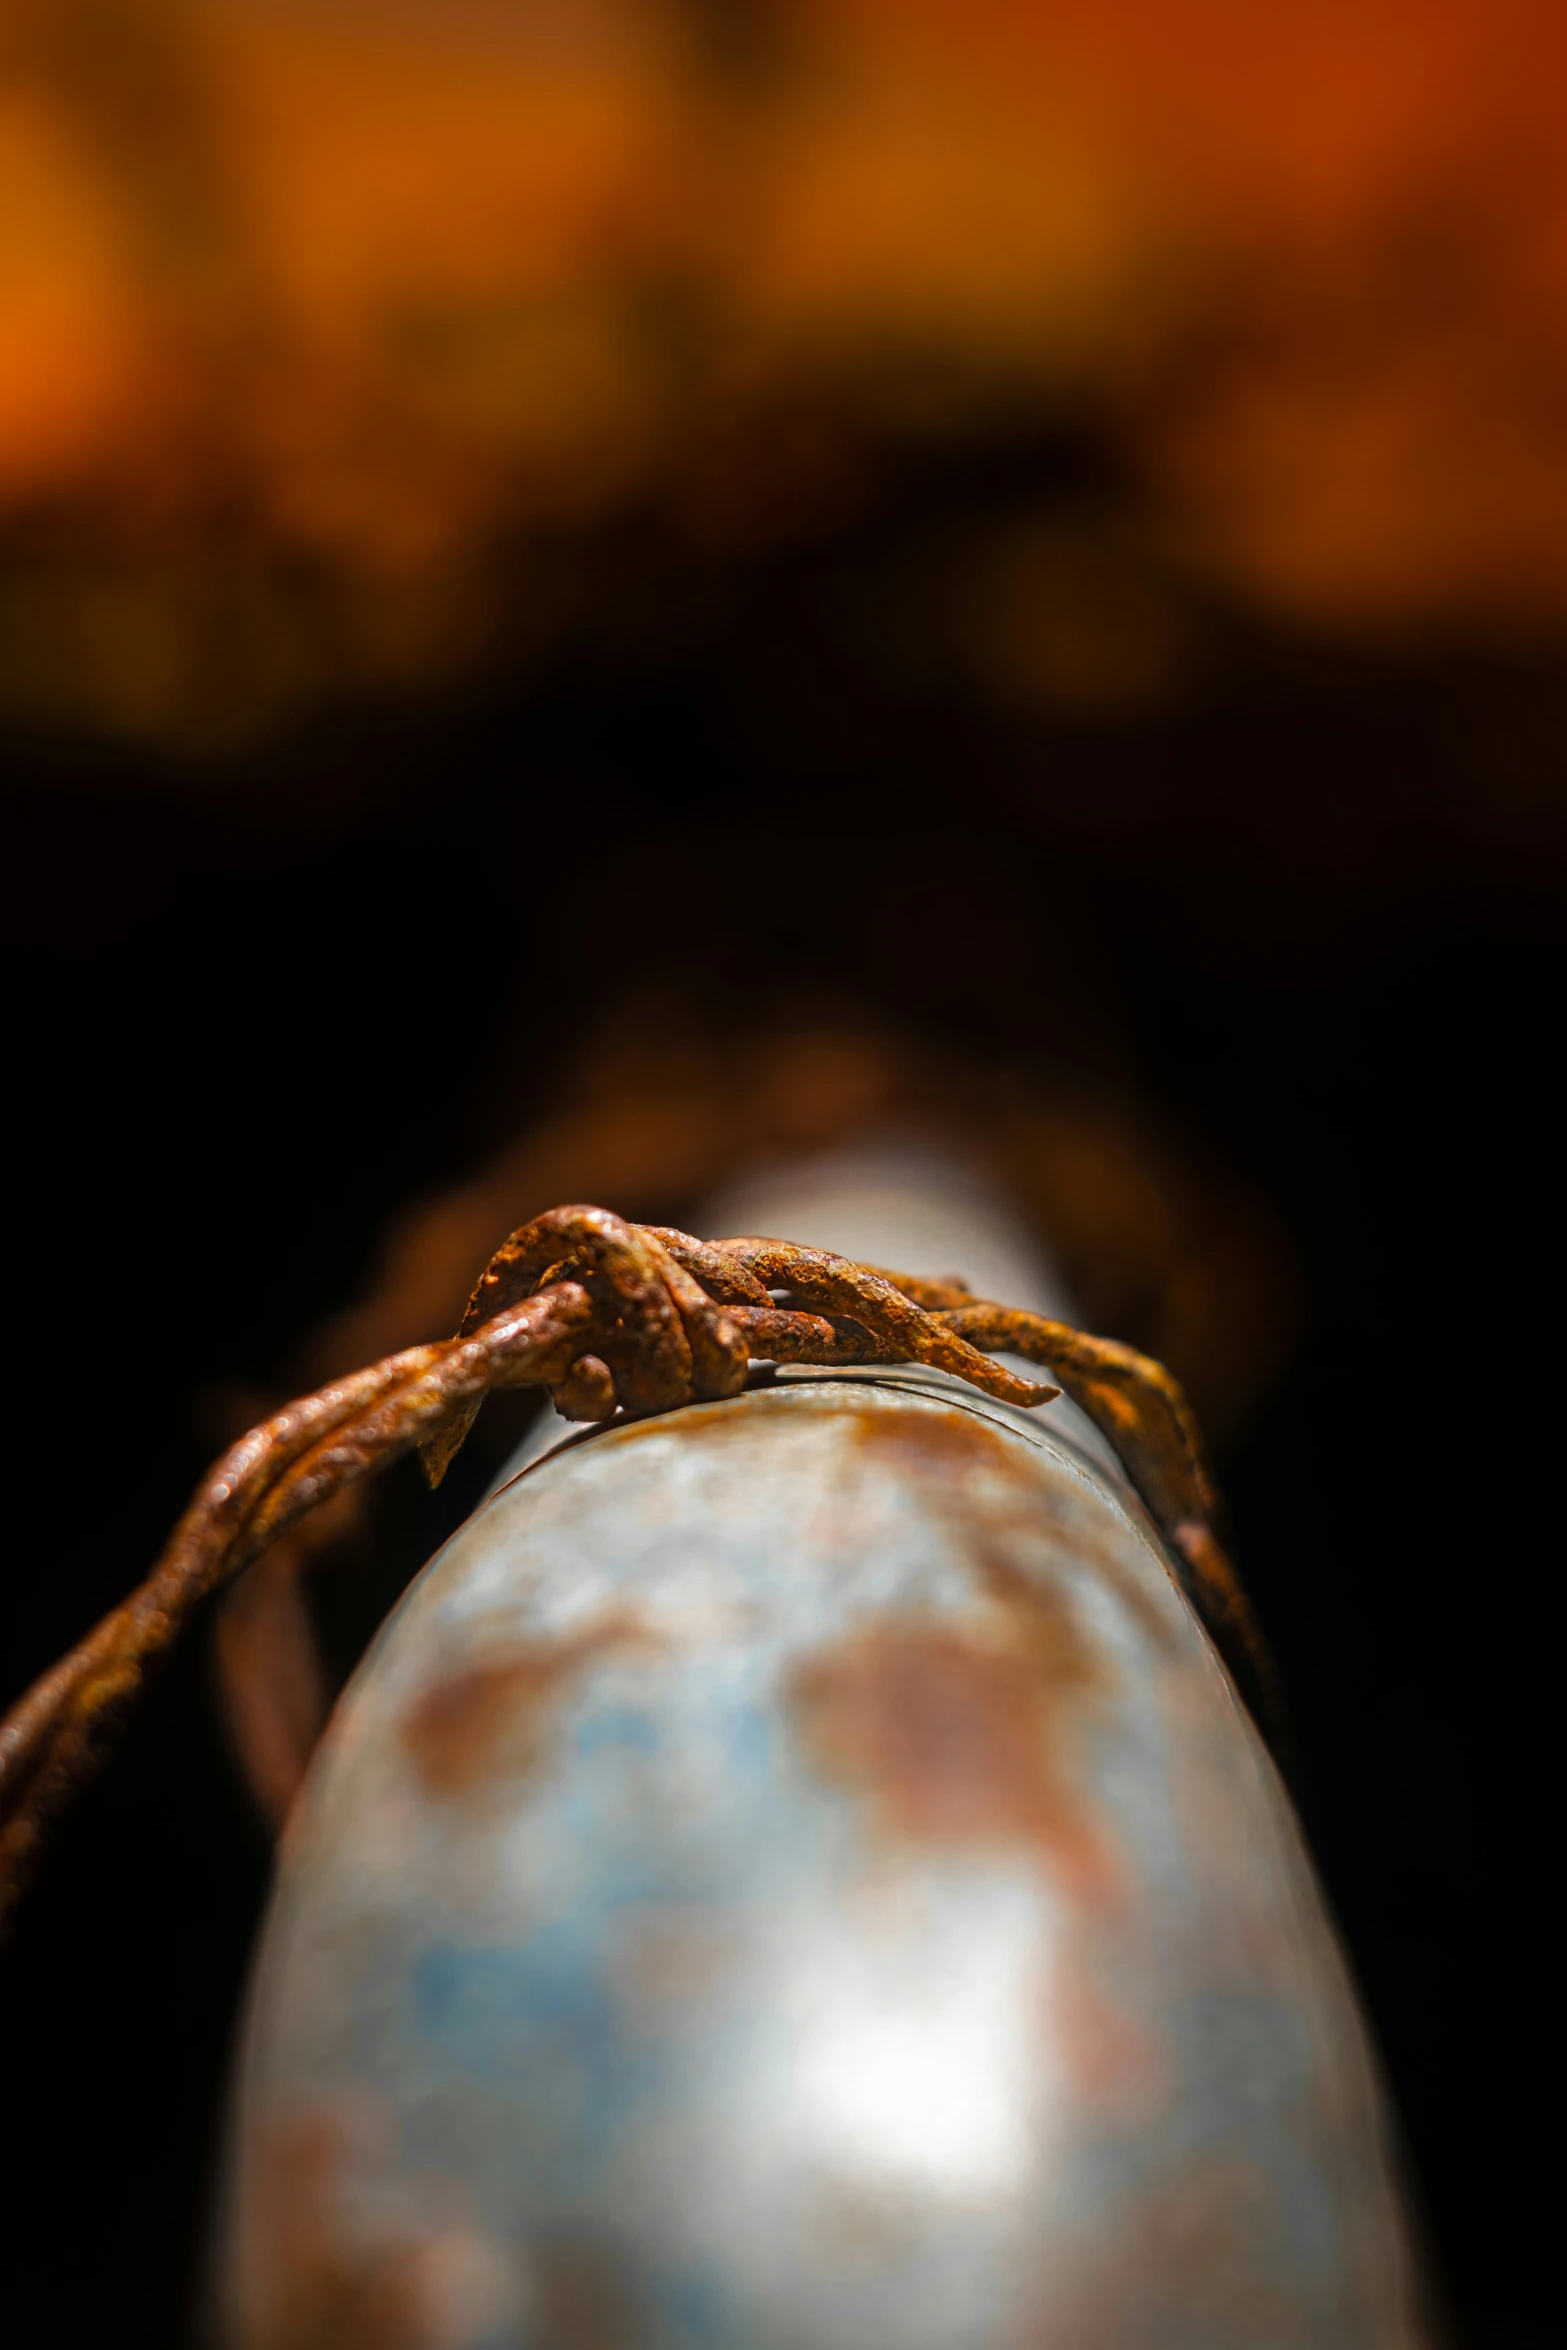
793,1874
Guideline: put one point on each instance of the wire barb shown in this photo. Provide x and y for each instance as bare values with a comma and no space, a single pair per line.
616,1320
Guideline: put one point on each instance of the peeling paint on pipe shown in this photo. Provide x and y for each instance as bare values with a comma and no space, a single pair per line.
793,1874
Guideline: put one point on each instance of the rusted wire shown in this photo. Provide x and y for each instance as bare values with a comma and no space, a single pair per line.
614,1318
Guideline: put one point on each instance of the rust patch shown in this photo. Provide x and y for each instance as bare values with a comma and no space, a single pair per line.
670,1958
584,2295
961,1732
955,1740
926,1435
1118,2065
1188,2256
942,1447
493,1721
316,2287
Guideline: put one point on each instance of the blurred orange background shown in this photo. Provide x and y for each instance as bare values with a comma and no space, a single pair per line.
321,324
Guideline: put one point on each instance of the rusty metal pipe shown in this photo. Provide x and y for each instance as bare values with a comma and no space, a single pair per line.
794,1874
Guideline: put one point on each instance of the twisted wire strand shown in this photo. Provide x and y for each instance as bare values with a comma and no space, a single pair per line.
59,1733
614,1319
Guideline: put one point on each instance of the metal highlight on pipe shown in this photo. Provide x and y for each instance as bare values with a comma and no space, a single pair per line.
794,1871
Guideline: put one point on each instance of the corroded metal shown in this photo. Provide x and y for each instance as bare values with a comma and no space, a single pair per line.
607,1315
794,1875
58,1733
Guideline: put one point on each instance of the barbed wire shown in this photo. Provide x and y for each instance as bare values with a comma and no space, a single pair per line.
617,1320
